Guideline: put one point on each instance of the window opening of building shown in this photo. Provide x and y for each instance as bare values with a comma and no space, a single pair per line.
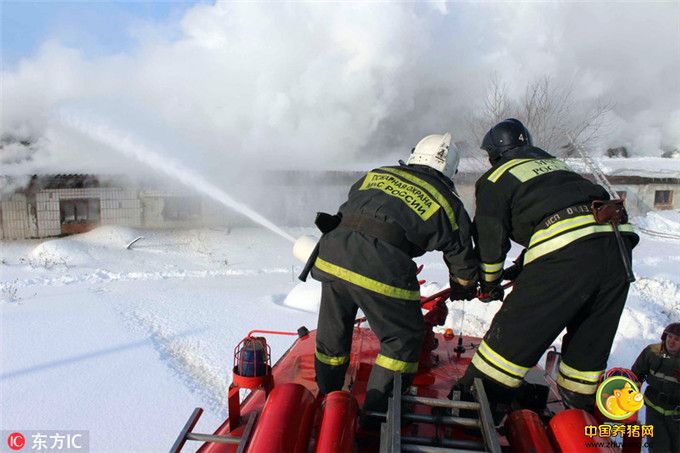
81,210
182,208
663,199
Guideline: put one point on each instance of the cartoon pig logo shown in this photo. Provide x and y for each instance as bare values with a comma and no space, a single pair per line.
618,398
624,401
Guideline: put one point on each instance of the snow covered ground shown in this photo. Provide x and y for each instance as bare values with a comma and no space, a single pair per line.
126,342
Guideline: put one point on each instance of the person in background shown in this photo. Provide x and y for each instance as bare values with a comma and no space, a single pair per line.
659,366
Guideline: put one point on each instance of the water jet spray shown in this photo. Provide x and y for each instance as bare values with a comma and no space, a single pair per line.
127,145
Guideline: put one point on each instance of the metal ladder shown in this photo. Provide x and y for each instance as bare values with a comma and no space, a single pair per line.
594,167
391,440
188,434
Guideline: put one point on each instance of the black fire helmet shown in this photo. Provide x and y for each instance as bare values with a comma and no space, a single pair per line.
504,136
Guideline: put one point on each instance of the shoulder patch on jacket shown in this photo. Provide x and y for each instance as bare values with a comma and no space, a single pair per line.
497,173
528,170
413,196
430,189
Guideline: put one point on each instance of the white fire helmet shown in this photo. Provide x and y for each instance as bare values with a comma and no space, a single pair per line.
438,152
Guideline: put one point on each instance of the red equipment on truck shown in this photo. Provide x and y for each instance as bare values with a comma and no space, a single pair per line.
284,411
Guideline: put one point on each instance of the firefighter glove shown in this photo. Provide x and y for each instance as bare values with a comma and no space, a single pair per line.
326,222
512,272
460,292
489,291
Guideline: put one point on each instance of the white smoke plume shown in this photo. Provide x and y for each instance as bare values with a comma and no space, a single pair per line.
250,85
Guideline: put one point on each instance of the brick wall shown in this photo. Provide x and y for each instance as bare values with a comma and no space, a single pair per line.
15,217
117,207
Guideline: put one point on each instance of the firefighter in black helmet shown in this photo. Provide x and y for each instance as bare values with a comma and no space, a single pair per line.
659,365
572,272
392,214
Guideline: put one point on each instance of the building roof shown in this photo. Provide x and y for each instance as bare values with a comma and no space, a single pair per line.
65,181
638,167
634,170
619,168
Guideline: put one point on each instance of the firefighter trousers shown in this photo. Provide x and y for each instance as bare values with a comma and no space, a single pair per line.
397,323
581,287
666,432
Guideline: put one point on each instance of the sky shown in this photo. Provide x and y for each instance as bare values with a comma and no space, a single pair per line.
228,88
97,28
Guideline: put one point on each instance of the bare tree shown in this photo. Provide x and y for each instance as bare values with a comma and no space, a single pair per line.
495,107
588,126
547,109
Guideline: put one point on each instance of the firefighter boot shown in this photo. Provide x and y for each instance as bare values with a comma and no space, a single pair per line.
577,400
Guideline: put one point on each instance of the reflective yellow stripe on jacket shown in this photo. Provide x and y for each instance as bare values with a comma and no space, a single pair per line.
366,282
660,375
491,271
497,173
661,410
563,233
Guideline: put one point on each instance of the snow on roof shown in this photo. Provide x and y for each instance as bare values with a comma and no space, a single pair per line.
649,167
470,168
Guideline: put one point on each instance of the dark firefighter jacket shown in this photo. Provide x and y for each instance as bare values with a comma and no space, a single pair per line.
662,373
515,198
414,199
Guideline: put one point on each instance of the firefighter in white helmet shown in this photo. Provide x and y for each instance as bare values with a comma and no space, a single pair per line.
365,260
436,151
